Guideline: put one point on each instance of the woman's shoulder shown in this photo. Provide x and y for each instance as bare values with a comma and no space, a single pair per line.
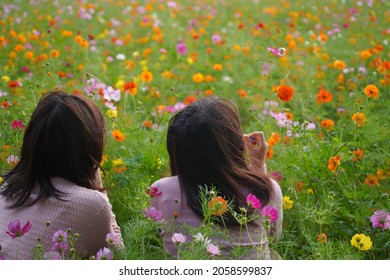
277,190
76,194
167,183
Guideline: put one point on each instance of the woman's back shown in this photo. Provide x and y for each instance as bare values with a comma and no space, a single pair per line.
172,203
84,211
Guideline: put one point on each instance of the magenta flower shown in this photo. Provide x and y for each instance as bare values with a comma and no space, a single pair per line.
380,218
17,124
277,52
270,213
181,48
2,258
153,192
153,213
277,176
212,250
15,231
253,201
178,238
104,254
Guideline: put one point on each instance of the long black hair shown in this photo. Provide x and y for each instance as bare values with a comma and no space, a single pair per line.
206,147
64,138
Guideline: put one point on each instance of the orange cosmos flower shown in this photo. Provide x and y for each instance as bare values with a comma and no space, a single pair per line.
208,92
299,186
270,153
339,64
274,139
198,78
189,99
61,74
381,174
130,87
371,91
289,115
327,124
323,96
322,238
118,135
55,53
359,119
147,123
371,180
242,93
147,76
333,163
218,206
217,67
209,78
365,54
285,92
357,155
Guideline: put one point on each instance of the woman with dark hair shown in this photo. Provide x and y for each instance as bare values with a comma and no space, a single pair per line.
57,180
207,147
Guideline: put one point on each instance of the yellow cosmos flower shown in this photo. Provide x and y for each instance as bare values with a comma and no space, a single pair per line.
287,203
112,113
1,179
117,162
362,242
5,79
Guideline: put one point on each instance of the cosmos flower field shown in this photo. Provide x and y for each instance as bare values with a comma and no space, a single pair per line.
314,77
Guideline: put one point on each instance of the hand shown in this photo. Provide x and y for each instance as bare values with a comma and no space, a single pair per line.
257,149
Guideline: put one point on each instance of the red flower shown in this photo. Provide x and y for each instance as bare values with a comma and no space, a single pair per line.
285,93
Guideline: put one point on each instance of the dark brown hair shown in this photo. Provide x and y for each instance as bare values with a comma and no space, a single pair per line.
64,138
206,147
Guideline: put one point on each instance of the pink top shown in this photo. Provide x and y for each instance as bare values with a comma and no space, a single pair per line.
86,212
173,203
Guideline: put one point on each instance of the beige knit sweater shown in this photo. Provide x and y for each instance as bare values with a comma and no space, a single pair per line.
86,212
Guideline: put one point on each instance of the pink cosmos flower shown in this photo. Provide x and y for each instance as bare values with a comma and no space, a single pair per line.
113,238
153,192
212,250
104,254
60,241
380,218
2,258
277,52
181,48
270,212
253,201
111,94
178,238
216,38
15,231
153,213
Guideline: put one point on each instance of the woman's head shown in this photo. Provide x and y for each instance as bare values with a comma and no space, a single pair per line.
207,134
206,146
64,138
